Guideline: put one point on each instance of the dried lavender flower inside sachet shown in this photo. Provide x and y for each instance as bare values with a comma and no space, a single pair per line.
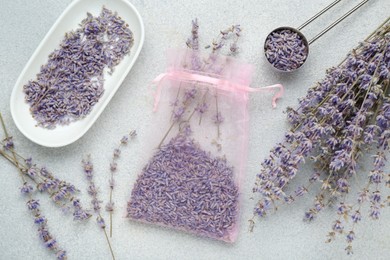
187,188
72,81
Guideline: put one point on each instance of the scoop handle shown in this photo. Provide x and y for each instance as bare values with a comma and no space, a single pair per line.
338,21
318,14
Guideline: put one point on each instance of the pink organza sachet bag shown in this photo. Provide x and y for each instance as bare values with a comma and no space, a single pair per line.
192,180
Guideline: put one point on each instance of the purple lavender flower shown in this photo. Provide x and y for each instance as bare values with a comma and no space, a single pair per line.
218,118
356,217
79,213
125,139
113,166
101,222
337,226
32,172
178,113
61,255
189,94
350,236
26,188
40,220
116,153
88,169
8,143
32,204
28,162
300,191
110,207
309,215
201,108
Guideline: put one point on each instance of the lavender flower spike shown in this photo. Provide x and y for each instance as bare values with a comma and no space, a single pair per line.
113,168
93,191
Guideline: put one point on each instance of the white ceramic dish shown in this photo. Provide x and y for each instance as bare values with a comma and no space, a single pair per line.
69,19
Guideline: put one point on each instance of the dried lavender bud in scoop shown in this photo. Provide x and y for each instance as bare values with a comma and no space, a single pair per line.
285,49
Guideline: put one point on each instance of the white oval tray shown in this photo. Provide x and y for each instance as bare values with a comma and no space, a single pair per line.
69,20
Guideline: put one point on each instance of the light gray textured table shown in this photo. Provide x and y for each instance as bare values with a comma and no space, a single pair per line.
282,235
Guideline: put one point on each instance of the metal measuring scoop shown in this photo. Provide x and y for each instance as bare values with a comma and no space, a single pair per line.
287,48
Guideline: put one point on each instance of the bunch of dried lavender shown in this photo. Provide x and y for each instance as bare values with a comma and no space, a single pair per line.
72,81
113,168
93,192
60,191
342,118
285,50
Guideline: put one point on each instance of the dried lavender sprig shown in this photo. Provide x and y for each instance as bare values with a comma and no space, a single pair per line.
34,206
340,118
61,192
113,168
180,108
234,30
93,192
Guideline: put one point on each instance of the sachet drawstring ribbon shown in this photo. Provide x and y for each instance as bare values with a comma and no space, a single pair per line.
218,83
